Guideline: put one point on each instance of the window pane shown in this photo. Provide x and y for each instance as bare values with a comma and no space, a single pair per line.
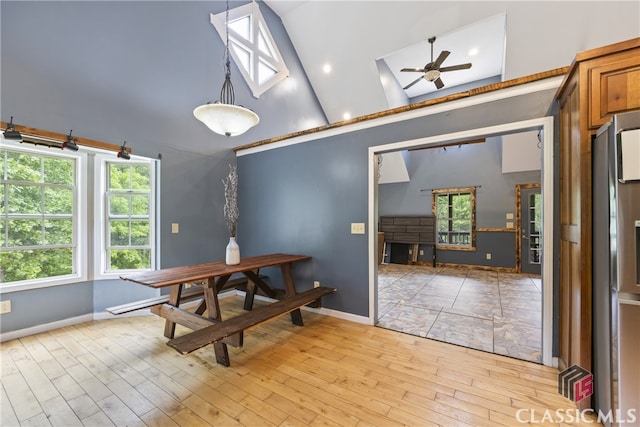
442,208
119,204
140,205
242,26
140,233
58,171
3,230
244,56
119,177
25,199
140,177
24,232
23,167
58,201
119,232
35,264
130,259
265,72
58,232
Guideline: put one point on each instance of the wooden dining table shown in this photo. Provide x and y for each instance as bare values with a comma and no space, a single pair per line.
212,277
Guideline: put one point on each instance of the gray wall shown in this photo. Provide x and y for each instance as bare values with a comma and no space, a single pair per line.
462,166
302,198
134,71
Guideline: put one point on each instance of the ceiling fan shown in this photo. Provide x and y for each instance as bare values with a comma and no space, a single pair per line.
432,70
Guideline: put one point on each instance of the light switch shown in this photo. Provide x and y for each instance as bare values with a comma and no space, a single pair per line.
175,228
5,306
509,224
357,228
510,215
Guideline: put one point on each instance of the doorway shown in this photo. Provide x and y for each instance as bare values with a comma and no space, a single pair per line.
546,125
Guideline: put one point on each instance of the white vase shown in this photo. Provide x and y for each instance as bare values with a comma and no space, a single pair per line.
233,252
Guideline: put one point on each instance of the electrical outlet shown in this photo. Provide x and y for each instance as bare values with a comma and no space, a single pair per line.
421,251
175,228
488,256
410,251
316,283
5,306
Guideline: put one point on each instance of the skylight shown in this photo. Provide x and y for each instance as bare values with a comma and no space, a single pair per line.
252,47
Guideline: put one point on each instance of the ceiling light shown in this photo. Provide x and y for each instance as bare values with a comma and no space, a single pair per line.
11,133
431,75
346,115
326,68
70,143
223,117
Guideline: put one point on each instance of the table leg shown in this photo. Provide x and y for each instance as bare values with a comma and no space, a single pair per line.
213,311
290,290
251,293
174,300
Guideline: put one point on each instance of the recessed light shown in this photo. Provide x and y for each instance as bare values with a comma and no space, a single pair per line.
473,51
346,115
326,68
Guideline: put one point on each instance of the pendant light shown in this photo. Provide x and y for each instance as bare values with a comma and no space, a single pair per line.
223,117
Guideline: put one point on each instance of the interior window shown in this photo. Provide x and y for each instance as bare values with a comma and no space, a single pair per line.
252,47
454,210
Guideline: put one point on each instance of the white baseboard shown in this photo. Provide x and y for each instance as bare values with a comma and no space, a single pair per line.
103,315
46,327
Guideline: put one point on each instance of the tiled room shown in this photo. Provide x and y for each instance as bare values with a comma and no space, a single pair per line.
486,310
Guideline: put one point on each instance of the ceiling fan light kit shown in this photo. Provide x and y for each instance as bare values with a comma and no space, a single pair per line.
432,70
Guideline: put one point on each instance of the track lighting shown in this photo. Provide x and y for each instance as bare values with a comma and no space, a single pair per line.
70,143
11,133
123,154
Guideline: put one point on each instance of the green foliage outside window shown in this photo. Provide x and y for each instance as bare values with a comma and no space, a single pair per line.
454,214
36,216
129,210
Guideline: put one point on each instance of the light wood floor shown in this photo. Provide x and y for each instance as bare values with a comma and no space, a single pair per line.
329,372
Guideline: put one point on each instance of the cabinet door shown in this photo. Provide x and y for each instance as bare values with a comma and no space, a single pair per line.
615,86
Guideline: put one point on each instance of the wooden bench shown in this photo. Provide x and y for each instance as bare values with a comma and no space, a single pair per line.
226,328
187,295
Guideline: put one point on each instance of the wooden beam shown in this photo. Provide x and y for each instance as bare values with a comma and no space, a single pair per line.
29,131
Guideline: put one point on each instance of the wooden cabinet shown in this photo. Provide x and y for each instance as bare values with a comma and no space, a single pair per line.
600,82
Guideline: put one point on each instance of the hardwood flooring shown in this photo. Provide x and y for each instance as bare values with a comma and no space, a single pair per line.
330,372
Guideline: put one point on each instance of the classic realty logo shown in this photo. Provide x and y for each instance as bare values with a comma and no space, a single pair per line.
575,383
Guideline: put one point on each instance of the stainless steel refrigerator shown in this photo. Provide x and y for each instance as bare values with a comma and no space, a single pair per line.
616,270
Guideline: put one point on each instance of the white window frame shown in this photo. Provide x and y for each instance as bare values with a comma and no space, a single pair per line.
101,215
258,27
80,198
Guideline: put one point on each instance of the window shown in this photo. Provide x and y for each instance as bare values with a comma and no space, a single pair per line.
41,212
454,210
127,210
252,47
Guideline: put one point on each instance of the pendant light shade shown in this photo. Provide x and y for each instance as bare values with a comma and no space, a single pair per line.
224,117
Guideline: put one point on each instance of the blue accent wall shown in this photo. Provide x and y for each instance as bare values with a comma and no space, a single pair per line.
302,198
462,166
133,71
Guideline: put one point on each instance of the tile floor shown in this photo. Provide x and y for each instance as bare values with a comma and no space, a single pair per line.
496,312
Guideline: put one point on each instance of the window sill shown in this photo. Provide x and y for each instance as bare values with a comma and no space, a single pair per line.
27,285
455,248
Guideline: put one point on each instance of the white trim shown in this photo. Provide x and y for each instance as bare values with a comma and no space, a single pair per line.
546,124
541,85
46,327
80,234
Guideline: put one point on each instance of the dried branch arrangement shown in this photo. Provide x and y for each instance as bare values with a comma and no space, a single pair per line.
231,212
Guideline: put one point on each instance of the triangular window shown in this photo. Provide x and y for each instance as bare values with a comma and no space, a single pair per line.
252,47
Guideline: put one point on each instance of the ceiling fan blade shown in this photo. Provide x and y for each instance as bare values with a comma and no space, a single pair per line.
438,83
455,67
412,83
443,55
417,70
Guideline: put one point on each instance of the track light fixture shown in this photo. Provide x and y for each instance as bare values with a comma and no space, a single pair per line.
70,143
123,153
11,133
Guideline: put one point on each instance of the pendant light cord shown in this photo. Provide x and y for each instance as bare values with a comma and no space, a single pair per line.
227,94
